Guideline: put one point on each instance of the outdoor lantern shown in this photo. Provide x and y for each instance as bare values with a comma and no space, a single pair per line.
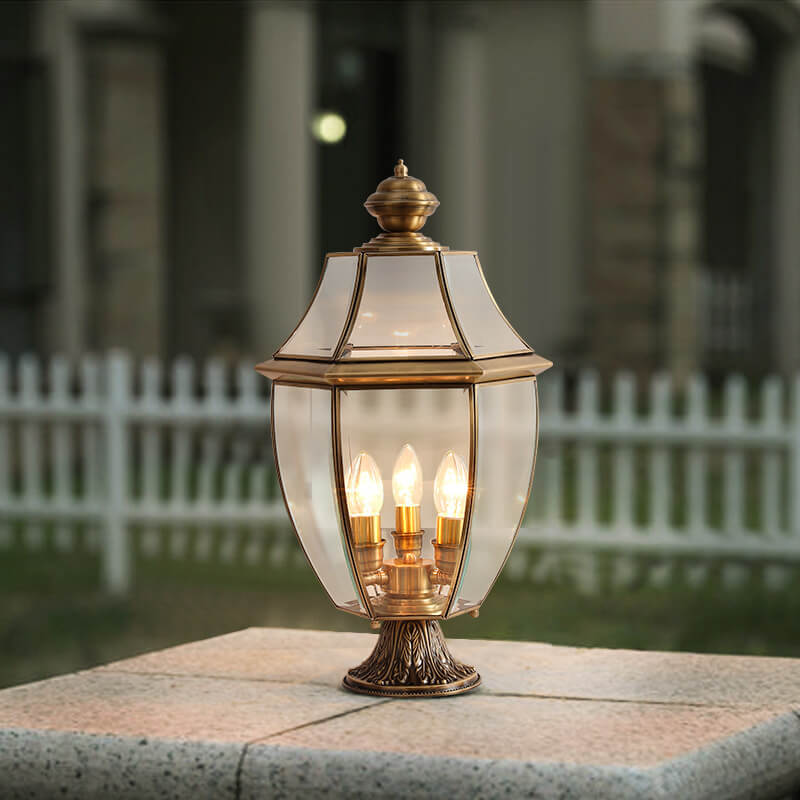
404,423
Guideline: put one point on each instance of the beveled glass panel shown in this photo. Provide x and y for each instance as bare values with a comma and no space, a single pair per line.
380,423
506,447
303,443
401,313
485,329
321,328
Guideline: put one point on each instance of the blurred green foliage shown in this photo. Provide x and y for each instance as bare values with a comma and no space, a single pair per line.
54,617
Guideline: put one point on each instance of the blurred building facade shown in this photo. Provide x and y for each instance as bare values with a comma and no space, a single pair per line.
629,170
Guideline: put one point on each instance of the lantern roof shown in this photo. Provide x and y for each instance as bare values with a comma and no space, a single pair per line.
402,309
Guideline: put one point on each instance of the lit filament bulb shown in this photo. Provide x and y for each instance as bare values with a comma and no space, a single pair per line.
364,489
450,498
407,490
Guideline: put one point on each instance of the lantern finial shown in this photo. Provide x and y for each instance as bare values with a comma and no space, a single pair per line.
402,205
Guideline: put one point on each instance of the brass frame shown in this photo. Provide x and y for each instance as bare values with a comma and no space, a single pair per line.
466,531
527,498
328,257
527,348
355,304
339,471
341,498
364,256
450,308
311,370
341,501
363,615
396,372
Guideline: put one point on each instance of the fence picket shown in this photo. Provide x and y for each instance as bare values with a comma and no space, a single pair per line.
31,433
696,476
660,479
696,461
624,413
151,467
623,475
733,486
117,565
89,399
733,458
232,476
585,563
771,423
61,443
776,576
182,405
552,405
210,452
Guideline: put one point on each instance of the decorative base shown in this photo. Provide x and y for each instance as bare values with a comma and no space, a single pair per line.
411,659
400,241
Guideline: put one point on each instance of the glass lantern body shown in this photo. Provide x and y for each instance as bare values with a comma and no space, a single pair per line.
405,349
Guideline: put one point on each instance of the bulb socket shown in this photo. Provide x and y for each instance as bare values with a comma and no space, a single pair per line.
448,530
369,557
366,529
407,544
406,519
446,557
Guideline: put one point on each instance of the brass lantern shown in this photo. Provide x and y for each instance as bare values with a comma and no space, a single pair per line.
404,424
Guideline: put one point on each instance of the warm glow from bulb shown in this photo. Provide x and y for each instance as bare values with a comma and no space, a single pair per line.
364,486
407,478
450,486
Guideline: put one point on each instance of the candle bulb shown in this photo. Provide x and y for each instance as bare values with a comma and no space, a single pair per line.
407,490
450,498
364,490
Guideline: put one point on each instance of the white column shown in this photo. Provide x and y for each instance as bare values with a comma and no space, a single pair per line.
279,181
59,40
536,100
460,107
786,176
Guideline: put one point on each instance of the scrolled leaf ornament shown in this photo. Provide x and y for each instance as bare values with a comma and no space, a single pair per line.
411,659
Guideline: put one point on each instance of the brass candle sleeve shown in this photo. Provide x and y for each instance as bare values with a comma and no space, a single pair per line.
406,519
448,529
366,528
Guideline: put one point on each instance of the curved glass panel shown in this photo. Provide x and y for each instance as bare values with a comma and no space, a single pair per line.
486,331
321,328
401,313
506,448
407,433
303,443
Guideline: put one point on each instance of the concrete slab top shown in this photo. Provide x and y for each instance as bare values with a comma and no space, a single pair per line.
260,713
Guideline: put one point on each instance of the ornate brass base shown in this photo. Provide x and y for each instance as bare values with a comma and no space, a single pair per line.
411,659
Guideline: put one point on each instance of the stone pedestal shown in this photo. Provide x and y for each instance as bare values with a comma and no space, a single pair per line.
260,713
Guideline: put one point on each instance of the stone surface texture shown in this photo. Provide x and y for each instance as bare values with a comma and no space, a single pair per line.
260,713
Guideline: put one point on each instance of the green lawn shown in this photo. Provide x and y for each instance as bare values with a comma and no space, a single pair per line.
53,618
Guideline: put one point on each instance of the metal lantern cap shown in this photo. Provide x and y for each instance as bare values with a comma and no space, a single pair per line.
355,297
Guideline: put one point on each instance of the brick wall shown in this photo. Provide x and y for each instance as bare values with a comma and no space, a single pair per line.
642,214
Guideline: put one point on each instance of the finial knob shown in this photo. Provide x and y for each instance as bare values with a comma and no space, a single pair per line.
401,203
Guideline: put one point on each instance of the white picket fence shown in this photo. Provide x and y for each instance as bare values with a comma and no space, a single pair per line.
683,490
133,460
